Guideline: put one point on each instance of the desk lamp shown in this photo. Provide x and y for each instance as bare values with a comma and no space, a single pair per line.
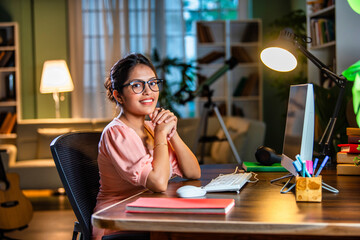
56,78
280,56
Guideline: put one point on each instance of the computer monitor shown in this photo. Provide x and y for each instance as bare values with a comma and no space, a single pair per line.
299,129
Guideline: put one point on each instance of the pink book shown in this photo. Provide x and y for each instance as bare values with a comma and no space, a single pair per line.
181,205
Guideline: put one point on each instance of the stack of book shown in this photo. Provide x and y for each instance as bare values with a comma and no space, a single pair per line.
349,154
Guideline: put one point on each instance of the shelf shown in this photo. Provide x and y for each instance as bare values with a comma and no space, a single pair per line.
214,99
7,69
9,82
8,136
242,39
325,12
7,48
322,46
244,44
7,103
246,98
212,44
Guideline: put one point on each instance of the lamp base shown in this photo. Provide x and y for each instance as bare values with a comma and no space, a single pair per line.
57,104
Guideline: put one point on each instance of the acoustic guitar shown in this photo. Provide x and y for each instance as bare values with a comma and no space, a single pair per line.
15,209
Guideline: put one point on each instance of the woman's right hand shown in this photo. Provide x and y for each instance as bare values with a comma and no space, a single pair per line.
164,121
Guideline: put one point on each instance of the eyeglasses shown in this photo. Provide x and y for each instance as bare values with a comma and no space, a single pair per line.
138,86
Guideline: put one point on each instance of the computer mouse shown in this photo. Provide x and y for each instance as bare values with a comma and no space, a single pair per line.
190,191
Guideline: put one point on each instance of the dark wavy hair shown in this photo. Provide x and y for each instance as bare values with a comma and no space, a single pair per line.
119,73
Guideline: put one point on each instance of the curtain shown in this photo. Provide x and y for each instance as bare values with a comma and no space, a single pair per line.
101,32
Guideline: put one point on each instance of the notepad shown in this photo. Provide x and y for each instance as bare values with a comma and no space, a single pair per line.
181,205
257,167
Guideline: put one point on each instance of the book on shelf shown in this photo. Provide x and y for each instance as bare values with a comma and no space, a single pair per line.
6,59
257,167
204,34
342,157
11,124
322,31
240,87
319,5
210,57
353,131
347,169
353,139
181,205
251,32
349,148
3,38
241,54
250,88
8,123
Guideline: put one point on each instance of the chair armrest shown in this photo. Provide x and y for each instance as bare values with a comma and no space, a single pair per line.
11,151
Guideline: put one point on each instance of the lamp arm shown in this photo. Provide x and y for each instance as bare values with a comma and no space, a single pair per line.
339,80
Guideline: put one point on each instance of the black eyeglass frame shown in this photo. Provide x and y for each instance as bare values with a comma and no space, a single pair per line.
158,81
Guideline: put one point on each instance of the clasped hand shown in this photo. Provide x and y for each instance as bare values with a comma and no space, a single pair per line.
164,121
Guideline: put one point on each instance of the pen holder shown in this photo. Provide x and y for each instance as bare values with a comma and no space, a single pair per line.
308,189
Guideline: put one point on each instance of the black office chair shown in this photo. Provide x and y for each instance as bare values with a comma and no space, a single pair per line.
75,156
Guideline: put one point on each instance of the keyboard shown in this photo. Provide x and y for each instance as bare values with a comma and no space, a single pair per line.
228,182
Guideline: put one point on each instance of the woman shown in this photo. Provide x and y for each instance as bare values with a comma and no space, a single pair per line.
135,154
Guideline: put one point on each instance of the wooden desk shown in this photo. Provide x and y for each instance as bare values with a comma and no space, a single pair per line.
260,212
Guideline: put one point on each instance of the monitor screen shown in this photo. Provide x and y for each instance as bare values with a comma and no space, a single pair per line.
299,129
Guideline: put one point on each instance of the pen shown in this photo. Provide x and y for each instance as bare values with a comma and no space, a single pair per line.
303,164
315,164
297,166
322,165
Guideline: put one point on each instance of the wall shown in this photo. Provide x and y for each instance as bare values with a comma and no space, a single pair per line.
274,109
43,36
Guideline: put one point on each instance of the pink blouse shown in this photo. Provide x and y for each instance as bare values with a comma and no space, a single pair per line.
124,165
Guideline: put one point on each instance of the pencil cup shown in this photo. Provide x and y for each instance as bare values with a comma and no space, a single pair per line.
308,189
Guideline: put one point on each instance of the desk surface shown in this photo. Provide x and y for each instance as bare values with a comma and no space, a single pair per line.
260,208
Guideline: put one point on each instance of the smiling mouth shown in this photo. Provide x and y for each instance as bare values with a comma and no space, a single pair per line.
147,101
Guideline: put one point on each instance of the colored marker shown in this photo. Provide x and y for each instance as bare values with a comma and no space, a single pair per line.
322,165
297,166
309,166
315,164
303,164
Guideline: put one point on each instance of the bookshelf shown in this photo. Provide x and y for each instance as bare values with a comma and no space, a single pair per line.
333,28
238,92
9,81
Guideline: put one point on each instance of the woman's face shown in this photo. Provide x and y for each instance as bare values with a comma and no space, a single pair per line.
143,103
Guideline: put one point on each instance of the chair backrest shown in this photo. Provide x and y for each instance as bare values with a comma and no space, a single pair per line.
75,156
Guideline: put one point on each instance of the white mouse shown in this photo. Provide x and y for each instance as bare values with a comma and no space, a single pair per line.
189,191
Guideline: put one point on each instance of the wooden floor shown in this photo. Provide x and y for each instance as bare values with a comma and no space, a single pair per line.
53,218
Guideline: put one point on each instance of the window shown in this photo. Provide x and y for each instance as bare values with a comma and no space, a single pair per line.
111,29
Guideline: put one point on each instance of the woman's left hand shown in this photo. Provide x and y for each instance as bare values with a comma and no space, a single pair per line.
161,115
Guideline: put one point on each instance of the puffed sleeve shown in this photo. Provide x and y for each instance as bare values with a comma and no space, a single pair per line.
123,147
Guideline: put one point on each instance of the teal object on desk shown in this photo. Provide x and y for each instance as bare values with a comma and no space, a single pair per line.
257,167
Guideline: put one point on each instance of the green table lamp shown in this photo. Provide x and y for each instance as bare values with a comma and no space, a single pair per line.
355,5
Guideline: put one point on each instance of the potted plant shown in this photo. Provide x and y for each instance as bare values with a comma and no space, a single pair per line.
173,93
